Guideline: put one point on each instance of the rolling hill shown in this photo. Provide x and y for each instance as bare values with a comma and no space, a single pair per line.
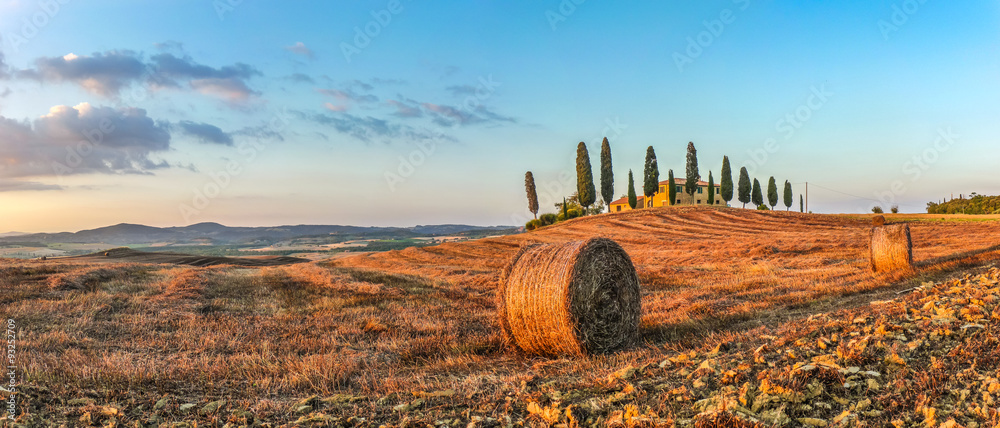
127,234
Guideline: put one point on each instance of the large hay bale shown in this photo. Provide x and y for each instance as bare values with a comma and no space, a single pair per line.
891,248
878,221
576,298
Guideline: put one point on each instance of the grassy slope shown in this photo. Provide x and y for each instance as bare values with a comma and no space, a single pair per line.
410,335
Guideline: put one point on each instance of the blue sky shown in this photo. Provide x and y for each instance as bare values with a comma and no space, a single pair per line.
264,113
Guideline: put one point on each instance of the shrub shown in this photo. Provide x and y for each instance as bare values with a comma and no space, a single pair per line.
895,209
877,209
569,214
548,219
763,207
533,224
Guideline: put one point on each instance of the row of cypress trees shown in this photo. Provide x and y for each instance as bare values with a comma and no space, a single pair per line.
587,192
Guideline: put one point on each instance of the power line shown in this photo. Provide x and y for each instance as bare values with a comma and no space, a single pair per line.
856,196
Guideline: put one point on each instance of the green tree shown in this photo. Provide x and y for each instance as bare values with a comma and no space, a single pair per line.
788,197
744,189
671,188
607,175
726,188
757,197
565,208
691,185
802,204
632,200
585,190
651,176
711,189
529,186
772,192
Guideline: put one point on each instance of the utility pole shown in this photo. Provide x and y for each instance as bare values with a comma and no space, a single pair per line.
807,197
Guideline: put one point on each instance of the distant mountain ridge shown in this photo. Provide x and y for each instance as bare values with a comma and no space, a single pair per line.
126,233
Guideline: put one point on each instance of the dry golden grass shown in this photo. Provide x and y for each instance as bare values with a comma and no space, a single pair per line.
704,268
413,333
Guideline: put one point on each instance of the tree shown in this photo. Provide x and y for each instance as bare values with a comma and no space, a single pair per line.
607,176
772,193
651,176
671,188
711,189
788,199
726,188
744,189
691,185
584,177
757,197
632,201
529,186
802,204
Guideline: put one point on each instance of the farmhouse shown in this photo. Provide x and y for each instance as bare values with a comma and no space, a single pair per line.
700,197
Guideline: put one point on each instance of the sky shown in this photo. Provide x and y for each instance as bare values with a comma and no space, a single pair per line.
402,112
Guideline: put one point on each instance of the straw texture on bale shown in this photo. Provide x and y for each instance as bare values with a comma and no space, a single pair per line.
878,221
575,298
891,248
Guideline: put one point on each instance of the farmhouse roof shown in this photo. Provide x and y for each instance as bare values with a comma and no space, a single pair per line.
624,200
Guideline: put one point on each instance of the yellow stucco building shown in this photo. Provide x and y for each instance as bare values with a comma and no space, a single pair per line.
700,197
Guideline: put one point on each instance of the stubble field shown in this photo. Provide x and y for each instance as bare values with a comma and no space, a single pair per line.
410,337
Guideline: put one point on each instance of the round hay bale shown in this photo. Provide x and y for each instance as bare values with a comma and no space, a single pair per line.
575,298
878,221
891,248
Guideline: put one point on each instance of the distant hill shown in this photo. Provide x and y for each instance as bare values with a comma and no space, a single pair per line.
215,233
978,204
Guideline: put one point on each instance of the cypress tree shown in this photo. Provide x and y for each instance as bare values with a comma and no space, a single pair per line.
757,197
671,188
726,188
691,185
565,209
632,200
744,189
529,186
607,175
711,189
651,176
802,204
772,193
788,197
586,193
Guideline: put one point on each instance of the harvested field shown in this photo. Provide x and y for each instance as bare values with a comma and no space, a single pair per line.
127,255
411,337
